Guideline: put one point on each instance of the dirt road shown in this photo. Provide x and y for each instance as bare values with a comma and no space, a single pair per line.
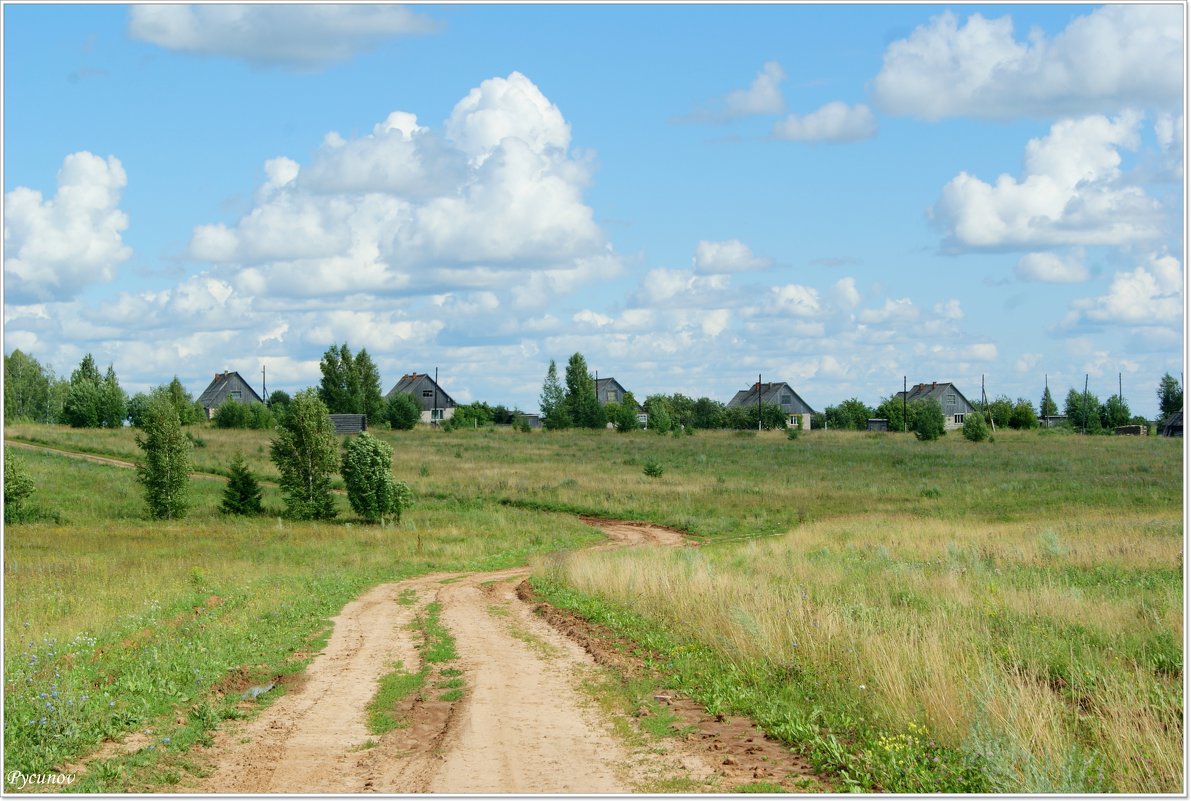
521,725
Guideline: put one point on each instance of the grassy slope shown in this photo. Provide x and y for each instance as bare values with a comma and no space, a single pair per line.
894,540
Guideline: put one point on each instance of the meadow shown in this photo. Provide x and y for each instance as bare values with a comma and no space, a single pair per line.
916,617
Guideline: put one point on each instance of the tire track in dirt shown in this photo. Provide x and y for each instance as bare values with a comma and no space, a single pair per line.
521,726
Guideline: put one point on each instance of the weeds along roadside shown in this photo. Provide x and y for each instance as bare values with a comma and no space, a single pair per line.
917,656
115,625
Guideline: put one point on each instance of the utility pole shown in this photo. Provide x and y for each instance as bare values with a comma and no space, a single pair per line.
264,389
758,401
1085,403
905,392
435,405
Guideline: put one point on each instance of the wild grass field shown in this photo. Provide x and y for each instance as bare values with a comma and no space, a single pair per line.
947,616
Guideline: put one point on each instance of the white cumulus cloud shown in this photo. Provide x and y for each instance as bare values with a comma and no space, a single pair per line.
55,248
764,95
834,122
300,36
492,202
730,256
1052,268
1150,294
1071,193
1113,58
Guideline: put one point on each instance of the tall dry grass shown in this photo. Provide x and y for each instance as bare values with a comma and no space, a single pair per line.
1023,643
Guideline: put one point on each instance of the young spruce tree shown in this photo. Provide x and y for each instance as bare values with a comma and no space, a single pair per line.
242,496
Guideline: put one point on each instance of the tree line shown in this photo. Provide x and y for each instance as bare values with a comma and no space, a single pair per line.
350,384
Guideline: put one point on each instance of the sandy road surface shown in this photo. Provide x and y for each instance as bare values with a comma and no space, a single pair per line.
521,726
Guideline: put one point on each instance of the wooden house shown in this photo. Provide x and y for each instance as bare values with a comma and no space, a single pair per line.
435,403
955,406
798,412
228,384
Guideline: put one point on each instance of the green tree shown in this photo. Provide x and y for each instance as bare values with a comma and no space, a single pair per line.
165,472
367,470
974,428
926,419
1083,411
138,406
242,495
658,409
18,486
231,414
1170,396
83,402
26,389
1001,411
372,400
708,414
341,389
553,401
623,415
403,412
278,401
472,415
113,401
1048,407
1114,412
188,411
582,406
891,410
852,414
305,455
1023,417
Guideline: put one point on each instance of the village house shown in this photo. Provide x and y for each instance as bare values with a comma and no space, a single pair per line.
798,412
436,405
228,384
609,390
955,406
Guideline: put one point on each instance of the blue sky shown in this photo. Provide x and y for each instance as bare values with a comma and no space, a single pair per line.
829,195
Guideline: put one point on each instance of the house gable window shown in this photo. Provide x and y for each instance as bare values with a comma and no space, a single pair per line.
235,393
787,399
427,393
951,399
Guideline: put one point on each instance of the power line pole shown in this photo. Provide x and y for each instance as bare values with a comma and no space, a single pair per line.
758,401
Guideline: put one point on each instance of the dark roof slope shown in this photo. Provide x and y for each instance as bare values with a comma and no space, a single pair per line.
222,384
772,393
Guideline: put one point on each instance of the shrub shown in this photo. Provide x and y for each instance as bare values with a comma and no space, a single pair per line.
367,470
165,472
18,486
974,428
403,412
653,469
927,420
242,496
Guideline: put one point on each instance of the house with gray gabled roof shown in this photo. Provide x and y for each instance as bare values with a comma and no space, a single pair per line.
955,406
798,412
228,384
435,403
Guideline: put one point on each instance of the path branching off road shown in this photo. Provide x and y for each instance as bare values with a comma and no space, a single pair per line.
521,725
